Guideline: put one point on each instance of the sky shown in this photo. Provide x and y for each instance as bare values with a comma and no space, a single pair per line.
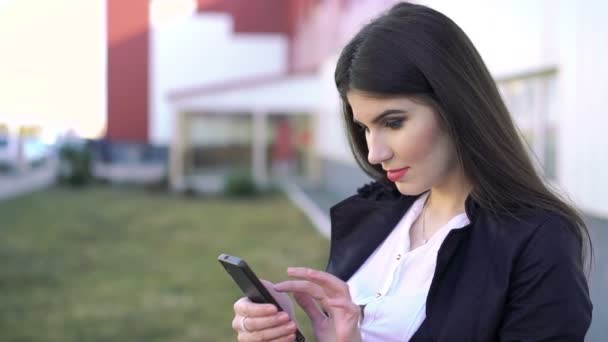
53,64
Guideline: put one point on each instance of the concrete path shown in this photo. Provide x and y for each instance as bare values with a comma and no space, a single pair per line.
17,184
598,282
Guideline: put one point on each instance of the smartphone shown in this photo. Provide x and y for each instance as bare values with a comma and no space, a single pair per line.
250,284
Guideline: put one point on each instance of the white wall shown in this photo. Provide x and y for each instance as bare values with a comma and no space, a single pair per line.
583,161
511,36
330,135
202,49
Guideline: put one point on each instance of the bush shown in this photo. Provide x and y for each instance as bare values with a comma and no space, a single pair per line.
161,185
241,185
75,165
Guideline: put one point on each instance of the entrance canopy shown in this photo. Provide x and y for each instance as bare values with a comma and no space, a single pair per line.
286,93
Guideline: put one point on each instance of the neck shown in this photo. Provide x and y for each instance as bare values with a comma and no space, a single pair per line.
447,199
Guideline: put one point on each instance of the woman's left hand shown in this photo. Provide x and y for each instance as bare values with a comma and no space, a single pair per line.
319,292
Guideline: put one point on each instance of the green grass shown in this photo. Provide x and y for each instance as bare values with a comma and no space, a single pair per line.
105,264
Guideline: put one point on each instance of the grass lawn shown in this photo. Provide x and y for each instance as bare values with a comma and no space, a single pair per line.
106,264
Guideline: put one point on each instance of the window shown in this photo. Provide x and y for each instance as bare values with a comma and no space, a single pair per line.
531,100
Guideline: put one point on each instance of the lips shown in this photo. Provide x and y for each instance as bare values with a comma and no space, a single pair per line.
397,174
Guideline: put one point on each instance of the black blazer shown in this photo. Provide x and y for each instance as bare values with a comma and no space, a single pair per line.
497,279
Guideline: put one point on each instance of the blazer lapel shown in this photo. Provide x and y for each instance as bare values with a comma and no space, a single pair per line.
446,259
359,226
450,246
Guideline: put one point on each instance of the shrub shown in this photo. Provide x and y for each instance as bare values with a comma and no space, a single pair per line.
241,185
75,165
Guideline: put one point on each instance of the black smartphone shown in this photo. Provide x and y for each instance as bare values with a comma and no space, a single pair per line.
250,284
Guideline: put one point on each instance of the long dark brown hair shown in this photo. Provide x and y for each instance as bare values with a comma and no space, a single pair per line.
415,51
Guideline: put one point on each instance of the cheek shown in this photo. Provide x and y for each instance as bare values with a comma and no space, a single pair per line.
420,145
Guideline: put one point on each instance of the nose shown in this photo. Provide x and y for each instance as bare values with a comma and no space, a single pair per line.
379,151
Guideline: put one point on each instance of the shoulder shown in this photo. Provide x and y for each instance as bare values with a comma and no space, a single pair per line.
524,225
553,238
548,297
539,235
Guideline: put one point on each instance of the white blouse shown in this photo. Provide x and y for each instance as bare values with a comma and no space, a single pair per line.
394,281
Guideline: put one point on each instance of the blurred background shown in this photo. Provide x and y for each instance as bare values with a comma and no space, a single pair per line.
140,139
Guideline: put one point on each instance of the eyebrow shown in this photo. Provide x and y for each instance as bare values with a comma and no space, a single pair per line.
382,115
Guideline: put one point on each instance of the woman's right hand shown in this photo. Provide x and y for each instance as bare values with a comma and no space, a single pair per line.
263,322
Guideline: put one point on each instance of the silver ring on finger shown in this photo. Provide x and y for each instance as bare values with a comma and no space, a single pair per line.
243,327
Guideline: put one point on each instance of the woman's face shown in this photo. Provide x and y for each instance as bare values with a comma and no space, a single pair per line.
405,137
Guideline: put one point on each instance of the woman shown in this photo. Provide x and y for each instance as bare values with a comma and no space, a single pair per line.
459,239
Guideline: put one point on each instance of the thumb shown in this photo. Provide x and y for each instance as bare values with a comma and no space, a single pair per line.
281,298
310,306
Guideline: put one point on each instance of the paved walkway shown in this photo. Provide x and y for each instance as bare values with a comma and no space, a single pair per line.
599,280
16,184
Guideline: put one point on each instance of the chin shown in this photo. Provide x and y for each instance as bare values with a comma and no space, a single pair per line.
408,189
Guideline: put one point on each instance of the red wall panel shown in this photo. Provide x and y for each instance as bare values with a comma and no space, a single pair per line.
259,16
128,59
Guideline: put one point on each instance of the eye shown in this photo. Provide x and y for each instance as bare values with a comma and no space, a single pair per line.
394,123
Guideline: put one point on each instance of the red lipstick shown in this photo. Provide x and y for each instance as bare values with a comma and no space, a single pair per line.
397,174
